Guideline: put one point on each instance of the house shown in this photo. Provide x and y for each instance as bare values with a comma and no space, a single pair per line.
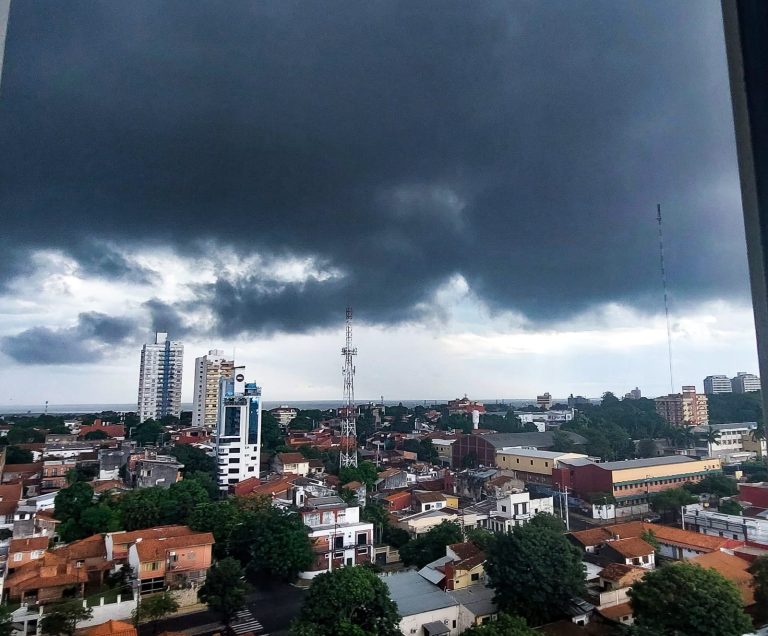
177,561
55,473
337,535
89,554
191,435
391,479
114,431
424,608
10,495
464,406
422,522
157,470
444,448
610,597
674,543
732,568
631,482
294,463
463,565
110,628
629,551
358,489
22,551
112,460
423,501
45,580
717,524
476,605
754,494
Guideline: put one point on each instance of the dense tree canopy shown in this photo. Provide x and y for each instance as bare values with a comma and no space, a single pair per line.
195,460
504,625
670,501
431,545
224,589
365,472
535,571
350,600
735,407
759,570
683,599
62,619
16,455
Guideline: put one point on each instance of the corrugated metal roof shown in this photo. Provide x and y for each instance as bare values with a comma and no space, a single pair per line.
415,595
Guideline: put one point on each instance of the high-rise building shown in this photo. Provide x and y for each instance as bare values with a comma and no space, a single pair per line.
717,384
544,401
684,409
209,369
634,394
238,429
160,378
745,382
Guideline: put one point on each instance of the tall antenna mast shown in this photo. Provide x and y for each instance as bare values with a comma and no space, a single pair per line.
666,301
348,456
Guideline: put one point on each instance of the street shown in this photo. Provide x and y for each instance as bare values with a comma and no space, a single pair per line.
268,612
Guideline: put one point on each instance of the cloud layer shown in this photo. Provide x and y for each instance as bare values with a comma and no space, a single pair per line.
374,151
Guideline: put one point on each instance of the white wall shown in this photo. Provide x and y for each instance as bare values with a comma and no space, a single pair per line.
411,625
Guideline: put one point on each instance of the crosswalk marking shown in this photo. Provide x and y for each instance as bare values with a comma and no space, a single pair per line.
244,621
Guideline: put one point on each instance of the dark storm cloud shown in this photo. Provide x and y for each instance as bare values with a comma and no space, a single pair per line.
523,145
83,343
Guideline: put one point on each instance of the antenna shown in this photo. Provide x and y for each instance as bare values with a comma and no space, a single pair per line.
348,455
666,300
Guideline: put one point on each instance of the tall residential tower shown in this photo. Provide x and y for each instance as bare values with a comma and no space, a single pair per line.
160,378
238,429
209,369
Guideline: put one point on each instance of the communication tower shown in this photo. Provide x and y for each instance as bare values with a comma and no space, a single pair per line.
348,456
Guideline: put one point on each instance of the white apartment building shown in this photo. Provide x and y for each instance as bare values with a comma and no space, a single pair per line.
337,535
284,414
238,429
745,382
716,524
717,384
517,509
160,378
209,369
730,445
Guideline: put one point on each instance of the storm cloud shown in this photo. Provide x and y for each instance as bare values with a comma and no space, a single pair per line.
520,145
85,342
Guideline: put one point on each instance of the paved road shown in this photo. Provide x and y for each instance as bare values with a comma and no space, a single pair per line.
268,612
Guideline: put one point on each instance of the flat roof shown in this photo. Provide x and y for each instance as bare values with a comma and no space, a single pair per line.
502,440
415,595
649,461
532,452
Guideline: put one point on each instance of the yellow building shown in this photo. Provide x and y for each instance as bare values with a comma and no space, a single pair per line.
531,465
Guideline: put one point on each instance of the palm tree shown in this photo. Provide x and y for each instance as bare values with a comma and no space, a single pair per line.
758,435
711,437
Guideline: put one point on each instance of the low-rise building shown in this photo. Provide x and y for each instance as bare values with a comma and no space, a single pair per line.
611,595
284,414
10,496
391,479
481,449
732,568
293,463
427,500
463,565
114,431
45,580
631,482
701,519
755,494
629,551
337,534
531,465
424,608
729,446
22,551
157,470
55,473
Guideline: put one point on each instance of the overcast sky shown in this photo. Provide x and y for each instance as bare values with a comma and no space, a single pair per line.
478,180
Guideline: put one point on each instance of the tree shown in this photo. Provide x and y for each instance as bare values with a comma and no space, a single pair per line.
711,437
271,437
224,589
283,549
148,433
181,499
195,460
688,600
16,455
431,545
562,442
64,617
348,601
153,608
759,570
535,571
670,501
646,448
69,503
96,435
717,484
730,507
364,472
504,625
6,621
142,508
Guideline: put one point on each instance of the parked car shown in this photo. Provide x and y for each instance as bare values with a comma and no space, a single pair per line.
652,518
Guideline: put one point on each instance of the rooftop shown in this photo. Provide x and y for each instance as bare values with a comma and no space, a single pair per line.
415,595
510,440
478,599
631,547
645,463
533,452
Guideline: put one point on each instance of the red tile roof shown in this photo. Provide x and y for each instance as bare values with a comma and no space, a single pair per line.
292,458
155,549
27,545
121,538
110,628
631,548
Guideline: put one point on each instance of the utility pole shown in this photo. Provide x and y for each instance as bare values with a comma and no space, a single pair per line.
348,456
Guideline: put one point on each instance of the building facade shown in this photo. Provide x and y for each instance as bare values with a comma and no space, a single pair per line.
160,378
238,429
745,382
209,370
684,409
717,384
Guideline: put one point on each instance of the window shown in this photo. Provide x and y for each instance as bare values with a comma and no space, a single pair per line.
362,538
18,556
503,508
338,542
338,555
475,576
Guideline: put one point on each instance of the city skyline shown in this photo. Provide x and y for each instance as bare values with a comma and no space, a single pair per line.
480,185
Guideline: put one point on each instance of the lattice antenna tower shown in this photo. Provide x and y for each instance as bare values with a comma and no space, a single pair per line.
348,456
